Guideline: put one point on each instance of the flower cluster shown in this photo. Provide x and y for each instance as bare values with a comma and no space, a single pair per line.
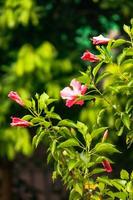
99,40
71,95
15,120
74,95
76,90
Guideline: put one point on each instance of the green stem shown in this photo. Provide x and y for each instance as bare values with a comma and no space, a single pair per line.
33,113
105,99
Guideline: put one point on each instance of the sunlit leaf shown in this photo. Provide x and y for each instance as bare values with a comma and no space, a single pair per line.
124,174
68,143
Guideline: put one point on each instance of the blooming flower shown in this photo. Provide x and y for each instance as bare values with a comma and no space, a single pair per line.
107,166
15,97
19,122
100,40
72,94
89,57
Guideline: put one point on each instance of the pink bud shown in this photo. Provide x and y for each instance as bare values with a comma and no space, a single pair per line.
15,97
100,40
105,136
19,122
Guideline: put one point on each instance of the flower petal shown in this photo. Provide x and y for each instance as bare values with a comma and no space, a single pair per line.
107,166
76,85
66,93
83,89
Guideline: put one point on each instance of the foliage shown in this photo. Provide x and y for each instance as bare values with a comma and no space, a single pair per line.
79,150
38,43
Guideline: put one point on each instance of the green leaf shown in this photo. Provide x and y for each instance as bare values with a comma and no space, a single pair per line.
117,123
37,139
68,143
100,159
44,97
86,97
105,180
95,133
33,104
100,116
96,69
106,148
58,169
129,138
120,195
129,52
27,103
90,164
79,188
101,186
130,187
68,123
85,158
85,78
27,117
96,171
121,57
45,123
118,43
42,101
74,195
124,174
126,120
37,120
64,131
127,62
53,115
72,164
102,76
54,176
127,29
117,185
131,176
53,146
88,140
82,128
49,101
119,133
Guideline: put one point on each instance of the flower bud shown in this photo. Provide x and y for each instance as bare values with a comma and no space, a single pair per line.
105,135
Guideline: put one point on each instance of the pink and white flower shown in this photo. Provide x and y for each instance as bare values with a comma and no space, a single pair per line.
71,94
88,56
100,40
15,97
107,166
19,122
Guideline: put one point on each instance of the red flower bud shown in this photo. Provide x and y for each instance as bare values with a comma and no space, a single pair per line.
88,56
19,122
15,97
107,166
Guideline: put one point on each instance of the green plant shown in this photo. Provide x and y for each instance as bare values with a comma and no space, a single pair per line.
81,154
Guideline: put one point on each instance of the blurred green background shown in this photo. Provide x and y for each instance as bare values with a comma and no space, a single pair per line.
41,43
